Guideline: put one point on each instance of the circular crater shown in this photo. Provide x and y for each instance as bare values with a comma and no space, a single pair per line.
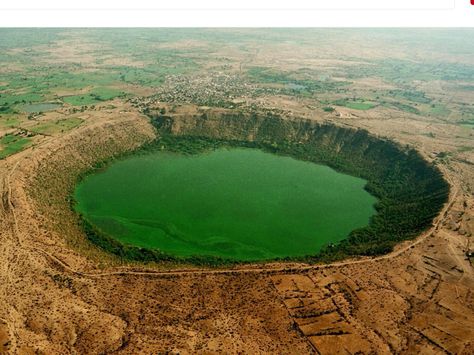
228,187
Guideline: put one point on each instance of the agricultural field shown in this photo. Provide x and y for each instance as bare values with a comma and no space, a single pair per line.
356,104
56,126
11,144
158,184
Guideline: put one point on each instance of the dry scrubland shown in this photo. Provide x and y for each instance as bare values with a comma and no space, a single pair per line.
59,294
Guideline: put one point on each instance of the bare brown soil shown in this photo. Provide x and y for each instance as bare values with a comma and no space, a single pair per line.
60,295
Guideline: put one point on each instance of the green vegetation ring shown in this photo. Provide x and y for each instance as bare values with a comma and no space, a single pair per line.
410,190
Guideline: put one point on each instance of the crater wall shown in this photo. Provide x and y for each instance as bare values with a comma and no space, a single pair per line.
411,190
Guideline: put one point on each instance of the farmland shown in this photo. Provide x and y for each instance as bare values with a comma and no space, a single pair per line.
12,144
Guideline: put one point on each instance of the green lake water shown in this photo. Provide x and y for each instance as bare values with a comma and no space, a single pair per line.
40,107
239,203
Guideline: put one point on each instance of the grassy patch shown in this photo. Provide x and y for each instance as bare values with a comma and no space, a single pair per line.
27,37
155,75
404,107
11,144
410,95
140,76
10,100
45,80
93,97
466,87
57,126
6,109
81,100
439,110
295,83
404,72
9,121
356,104
464,148
467,122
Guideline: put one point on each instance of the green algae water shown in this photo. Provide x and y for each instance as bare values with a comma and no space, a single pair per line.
40,107
239,203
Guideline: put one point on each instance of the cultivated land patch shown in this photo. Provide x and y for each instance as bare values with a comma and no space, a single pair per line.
56,126
95,96
12,143
356,104
9,121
